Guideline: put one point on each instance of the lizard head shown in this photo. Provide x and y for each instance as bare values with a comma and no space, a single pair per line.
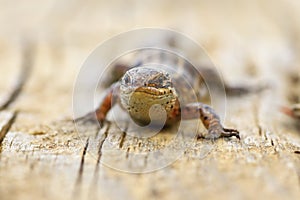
144,87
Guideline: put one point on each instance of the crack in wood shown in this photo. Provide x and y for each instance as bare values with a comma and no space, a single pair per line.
95,177
6,127
127,153
76,191
272,143
104,136
79,177
11,142
256,119
123,136
27,62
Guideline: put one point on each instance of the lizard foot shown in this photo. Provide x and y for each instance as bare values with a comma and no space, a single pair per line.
214,133
230,132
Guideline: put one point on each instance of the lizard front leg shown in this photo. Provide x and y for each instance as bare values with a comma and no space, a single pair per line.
210,120
99,115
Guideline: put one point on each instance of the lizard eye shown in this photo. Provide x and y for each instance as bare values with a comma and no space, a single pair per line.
127,79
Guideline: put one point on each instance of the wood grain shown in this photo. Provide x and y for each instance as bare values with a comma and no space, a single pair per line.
44,156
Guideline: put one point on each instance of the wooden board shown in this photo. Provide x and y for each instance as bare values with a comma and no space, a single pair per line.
42,156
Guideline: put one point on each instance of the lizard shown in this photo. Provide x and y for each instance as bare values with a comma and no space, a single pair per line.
137,87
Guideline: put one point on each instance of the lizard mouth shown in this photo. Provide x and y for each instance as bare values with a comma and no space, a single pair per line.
146,96
155,92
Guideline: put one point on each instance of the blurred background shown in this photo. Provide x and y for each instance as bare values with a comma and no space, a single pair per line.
247,40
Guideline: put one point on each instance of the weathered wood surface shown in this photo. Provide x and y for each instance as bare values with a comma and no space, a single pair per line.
43,157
